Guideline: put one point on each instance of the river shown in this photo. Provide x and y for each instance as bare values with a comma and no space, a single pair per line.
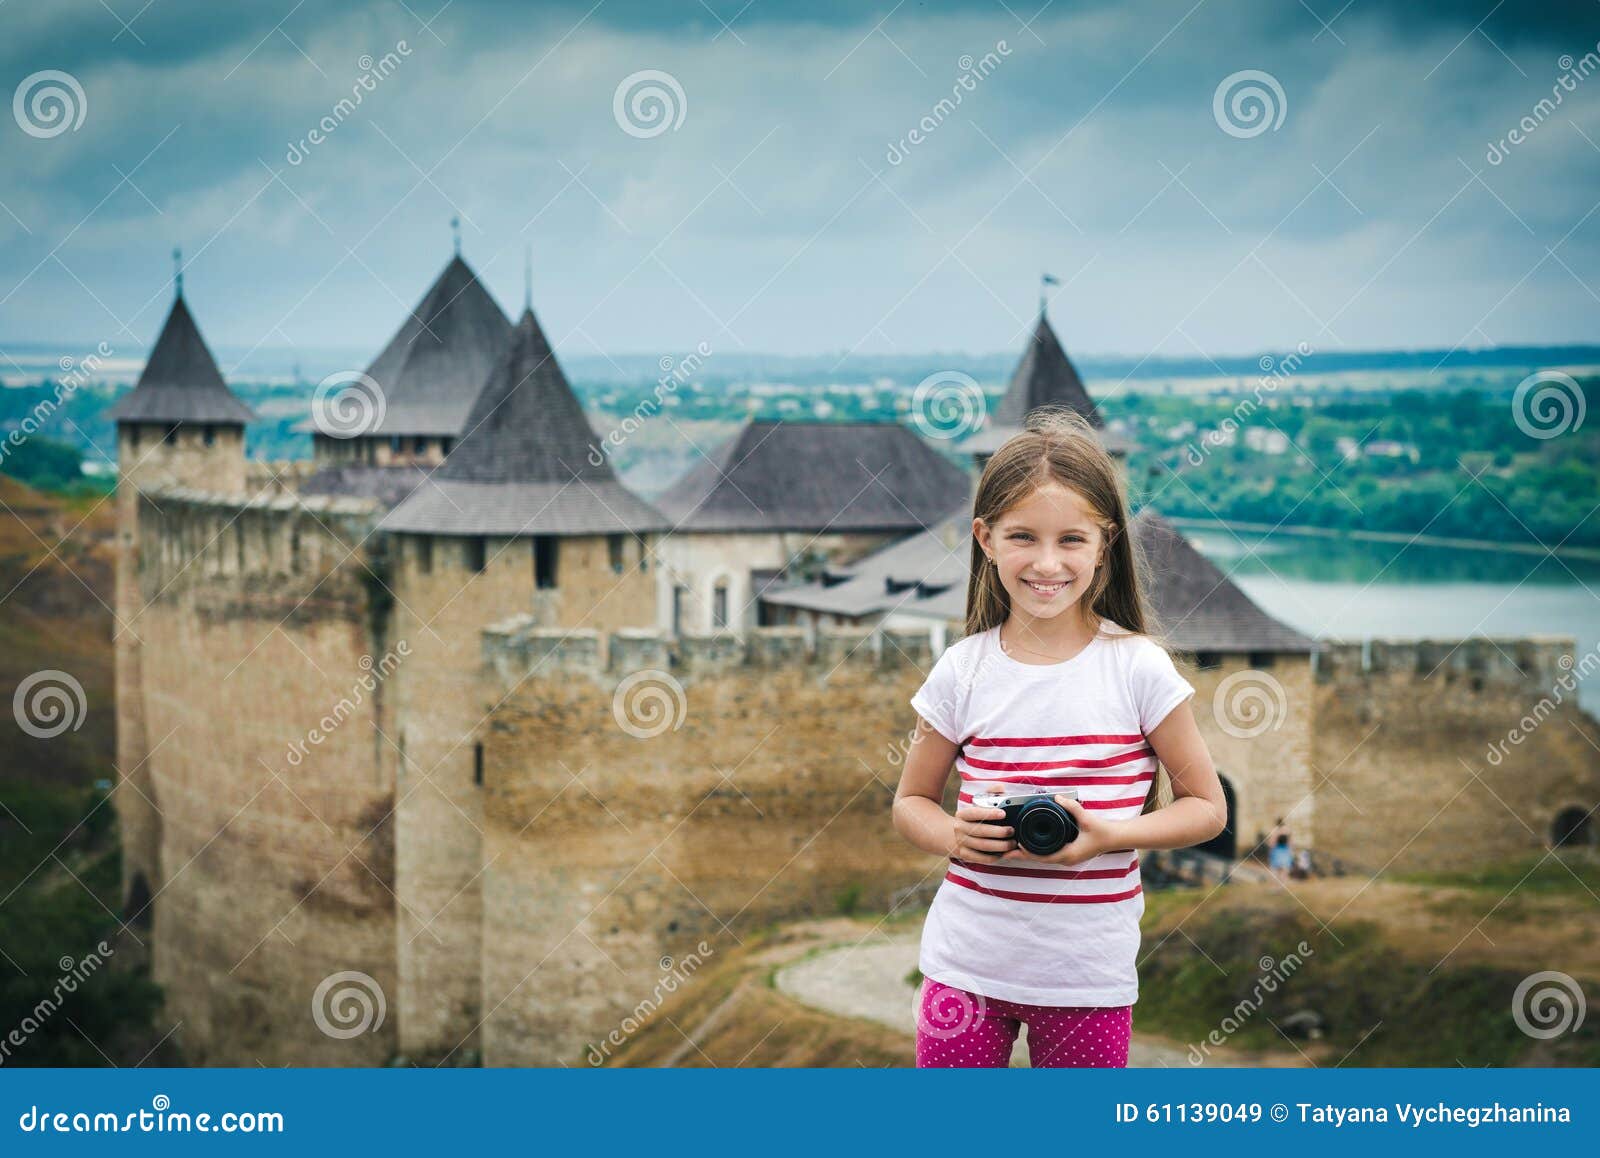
1352,589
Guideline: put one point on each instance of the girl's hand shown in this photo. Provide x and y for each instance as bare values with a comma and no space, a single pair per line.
1095,836
979,840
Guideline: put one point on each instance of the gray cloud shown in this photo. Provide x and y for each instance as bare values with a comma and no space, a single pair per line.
773,219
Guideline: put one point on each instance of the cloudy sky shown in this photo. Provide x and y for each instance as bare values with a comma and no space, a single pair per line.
777,200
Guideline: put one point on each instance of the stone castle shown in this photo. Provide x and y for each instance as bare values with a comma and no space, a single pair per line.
457,713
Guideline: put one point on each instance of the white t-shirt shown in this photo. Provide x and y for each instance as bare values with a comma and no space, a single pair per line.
1048,934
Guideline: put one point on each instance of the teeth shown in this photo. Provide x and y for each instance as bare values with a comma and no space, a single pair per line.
1044,586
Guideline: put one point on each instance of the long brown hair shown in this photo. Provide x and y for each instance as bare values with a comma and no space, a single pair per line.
1057,444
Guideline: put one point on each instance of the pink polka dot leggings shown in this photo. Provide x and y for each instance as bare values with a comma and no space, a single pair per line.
956,1027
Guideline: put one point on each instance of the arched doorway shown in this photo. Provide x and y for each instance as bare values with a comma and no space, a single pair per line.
1573,828
1226,842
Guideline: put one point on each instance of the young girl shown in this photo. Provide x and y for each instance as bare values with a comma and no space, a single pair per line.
1056,684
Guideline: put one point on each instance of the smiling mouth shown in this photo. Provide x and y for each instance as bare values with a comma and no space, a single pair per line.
1046,588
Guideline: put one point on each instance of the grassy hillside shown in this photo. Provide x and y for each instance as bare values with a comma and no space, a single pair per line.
59,861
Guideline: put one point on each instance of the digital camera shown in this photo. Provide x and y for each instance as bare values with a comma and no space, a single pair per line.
1038,823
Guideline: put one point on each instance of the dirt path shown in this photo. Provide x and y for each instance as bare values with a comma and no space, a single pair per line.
868,979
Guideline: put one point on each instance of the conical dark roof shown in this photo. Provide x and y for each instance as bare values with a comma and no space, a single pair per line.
1044,377
816,476
180,381
433,367
526,424
527,462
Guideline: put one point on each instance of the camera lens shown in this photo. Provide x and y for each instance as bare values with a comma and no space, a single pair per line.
1044,827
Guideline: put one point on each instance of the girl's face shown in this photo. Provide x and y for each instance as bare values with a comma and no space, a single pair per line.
1047,548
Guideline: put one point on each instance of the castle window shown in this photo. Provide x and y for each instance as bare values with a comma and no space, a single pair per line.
133,437
170,435
208,434
477,765
614,546
396,444
425,554
1261,659
544,561
477,550
371,445
719,605
419,446
1206,660
445,444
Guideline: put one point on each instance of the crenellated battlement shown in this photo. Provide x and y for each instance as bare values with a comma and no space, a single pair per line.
188,537
517,648
1522,663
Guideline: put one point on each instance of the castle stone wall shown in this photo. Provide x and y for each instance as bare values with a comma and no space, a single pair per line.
262,698
1444,755
445,712
686,791
149,461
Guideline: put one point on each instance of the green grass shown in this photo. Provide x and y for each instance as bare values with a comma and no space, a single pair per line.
1577,873
51,927
1377,1007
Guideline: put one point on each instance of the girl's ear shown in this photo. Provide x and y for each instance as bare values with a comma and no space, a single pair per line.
981,531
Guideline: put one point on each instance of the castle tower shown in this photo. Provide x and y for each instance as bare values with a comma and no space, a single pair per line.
179,426
427,376
519,520
1044,377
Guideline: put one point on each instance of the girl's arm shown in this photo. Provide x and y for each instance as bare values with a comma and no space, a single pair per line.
919,813
1198,810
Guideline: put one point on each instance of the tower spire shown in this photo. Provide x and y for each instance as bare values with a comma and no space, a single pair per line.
177,272
527,277
1045,280
455,233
